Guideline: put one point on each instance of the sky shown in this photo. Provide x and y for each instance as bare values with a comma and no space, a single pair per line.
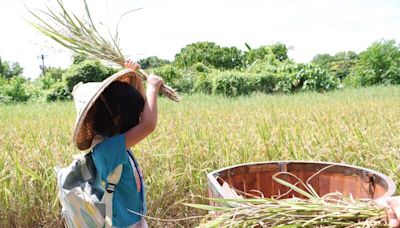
163,27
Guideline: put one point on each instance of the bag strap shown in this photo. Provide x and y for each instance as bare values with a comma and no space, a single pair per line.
112,180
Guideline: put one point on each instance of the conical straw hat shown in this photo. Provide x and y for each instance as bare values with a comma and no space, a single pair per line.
85,96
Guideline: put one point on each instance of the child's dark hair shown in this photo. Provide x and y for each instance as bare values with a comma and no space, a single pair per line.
118,109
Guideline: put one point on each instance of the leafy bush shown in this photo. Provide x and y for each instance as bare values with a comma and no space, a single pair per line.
181,80
204,83
280,51
313,78
200,67
86,71
13,89
378,64
232,83
152,62
284,83
59,91
361,76
169,73
392,76
209,54
263,66
10,69
52,76
79,58
262,54
264,82
340,65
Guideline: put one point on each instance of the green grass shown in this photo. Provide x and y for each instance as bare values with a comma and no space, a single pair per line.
198,135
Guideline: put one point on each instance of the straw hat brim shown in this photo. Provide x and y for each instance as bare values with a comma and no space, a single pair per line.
84,125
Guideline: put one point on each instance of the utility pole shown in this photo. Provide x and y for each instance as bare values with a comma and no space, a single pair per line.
42,67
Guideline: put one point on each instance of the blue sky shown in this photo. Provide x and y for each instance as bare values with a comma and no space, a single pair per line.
163,27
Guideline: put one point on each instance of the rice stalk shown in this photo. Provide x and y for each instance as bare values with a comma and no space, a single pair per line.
84,38
331,210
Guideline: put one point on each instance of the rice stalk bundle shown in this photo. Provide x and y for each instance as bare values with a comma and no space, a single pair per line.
83,37
331,210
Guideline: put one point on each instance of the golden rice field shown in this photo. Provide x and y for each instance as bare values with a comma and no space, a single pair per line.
198,135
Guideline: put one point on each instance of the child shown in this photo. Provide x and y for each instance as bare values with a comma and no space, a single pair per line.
112,120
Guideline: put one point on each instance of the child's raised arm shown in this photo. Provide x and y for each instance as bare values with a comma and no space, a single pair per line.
148,120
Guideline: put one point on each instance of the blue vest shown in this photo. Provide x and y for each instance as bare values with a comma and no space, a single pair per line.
107,155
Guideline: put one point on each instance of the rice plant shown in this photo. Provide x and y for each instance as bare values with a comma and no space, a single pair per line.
81,36
356,126
330,210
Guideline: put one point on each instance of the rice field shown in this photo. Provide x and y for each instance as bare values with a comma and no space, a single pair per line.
198,135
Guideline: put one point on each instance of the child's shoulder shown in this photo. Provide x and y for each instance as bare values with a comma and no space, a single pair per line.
116,141
111,150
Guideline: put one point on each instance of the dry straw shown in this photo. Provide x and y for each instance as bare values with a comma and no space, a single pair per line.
331,210
83,37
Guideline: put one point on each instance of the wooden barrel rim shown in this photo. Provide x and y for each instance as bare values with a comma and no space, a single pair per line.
391,187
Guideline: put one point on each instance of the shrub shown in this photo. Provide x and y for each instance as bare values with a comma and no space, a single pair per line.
361,77
169,73
232,83
392,76
174,77
201,67
86,71
264,82
152,62
14,89
292,77
52,76
209,54
262,54
378,64
280,51
313,78
10,69
59,91
204,83
284,84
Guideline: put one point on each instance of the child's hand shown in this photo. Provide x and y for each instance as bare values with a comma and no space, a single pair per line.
392,205
129,64
154,82
394,212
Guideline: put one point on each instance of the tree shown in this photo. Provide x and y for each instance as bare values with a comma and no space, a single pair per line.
13,89
209,54
86,71
52,76
322,59
343,64
78,58
340,65
261,53
280,51
2,68
9,70
152,62
378,64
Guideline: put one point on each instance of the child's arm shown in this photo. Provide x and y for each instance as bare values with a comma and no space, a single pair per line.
148,120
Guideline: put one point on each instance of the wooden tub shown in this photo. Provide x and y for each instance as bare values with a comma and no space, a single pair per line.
256,179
